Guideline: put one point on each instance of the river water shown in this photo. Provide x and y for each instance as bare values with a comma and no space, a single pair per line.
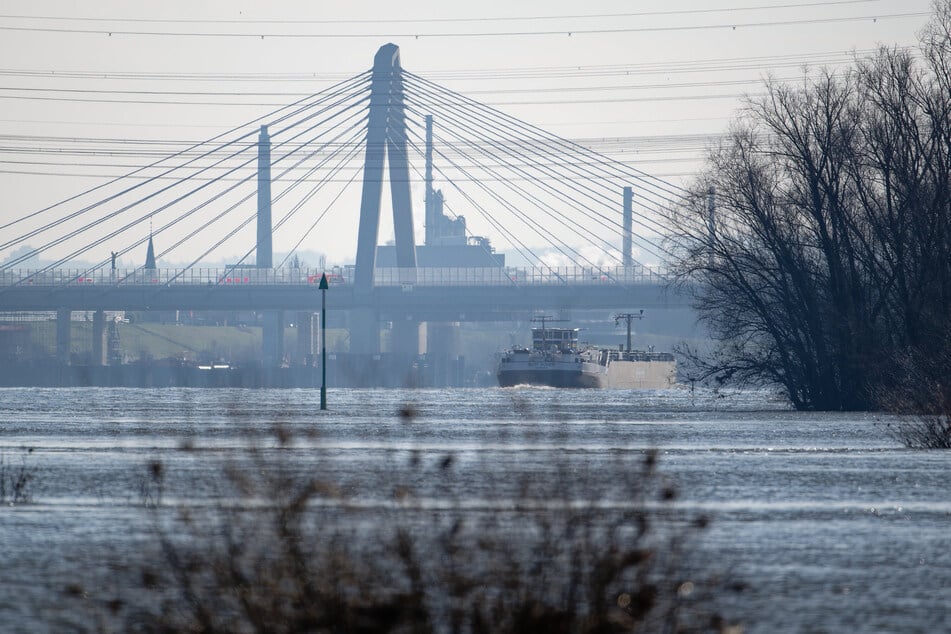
828,523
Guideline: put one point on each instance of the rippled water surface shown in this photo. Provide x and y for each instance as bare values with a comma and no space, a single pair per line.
830,524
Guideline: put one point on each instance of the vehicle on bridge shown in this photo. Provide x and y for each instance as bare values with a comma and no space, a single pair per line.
334,276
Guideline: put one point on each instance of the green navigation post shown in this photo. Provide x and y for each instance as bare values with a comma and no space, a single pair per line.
323,340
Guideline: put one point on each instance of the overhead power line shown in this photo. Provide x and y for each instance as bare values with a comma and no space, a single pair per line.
272,104
497,91
665,67
468,34
533,18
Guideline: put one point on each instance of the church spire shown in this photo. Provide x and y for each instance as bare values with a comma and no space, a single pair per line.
150,255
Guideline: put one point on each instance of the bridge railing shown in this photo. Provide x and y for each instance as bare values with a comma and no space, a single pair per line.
166,276
428,276
519,276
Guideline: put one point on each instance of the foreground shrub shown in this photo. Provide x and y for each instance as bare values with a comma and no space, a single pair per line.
284,551
15,480
923,432
923,401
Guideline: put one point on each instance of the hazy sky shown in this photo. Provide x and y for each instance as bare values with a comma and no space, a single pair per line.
651,83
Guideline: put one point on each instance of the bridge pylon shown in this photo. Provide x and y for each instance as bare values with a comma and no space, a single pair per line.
386,140
385,143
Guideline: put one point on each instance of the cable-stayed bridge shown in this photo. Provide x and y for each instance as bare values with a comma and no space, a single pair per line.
572,229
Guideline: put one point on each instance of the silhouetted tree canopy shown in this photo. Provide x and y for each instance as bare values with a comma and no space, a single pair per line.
829,255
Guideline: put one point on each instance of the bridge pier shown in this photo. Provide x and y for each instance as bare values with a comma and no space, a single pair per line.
305,339
364,331
444,352
98,338
404,337
63,332
272,338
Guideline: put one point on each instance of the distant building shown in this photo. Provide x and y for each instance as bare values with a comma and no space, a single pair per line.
475,253
447,244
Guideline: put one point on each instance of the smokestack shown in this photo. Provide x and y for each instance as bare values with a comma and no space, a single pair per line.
430,202
626,232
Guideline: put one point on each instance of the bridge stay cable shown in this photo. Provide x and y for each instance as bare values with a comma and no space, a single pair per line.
525,133
448,206
621,168
183,152
502,178
532,226
520,247
480,141
135,222
247,220
516,243
544,166
250,195
75,215
538,228
353,154
546,172
580,205
357,115
168,205
608,196
354,149
154,194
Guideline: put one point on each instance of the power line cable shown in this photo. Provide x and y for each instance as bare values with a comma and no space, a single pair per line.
471,34
666,67
364,20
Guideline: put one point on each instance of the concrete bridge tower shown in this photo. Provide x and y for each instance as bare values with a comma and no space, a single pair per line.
385,142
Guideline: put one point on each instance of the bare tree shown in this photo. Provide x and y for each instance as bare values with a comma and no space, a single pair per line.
831,248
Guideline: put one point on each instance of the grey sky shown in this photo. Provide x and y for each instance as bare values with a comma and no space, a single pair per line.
649,82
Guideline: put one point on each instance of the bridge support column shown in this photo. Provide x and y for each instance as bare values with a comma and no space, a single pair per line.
364,331
444,353
272,338
305,339
63,327
404,353
405,337
98,338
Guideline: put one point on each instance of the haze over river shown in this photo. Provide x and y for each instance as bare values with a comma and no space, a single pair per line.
830,523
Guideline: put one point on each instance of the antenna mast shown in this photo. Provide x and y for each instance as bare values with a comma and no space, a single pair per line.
628,317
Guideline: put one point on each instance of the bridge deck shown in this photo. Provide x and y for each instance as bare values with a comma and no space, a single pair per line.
429,276
422,294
